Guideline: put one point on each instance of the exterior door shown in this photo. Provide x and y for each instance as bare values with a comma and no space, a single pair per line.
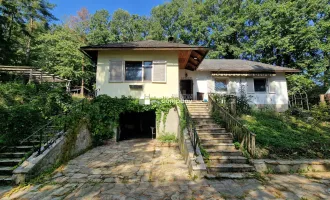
186,88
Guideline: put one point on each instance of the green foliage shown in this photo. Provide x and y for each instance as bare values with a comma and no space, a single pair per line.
237,145
24,108
167,138
288,136
103,113
204,153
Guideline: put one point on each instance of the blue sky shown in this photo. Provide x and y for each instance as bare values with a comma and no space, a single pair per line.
70,7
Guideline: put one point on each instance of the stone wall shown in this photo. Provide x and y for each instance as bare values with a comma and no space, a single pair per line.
35,165
291,166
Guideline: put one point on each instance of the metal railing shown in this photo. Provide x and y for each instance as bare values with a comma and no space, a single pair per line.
242,134
47,135
190,125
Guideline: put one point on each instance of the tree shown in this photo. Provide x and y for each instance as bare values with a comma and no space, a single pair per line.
100,28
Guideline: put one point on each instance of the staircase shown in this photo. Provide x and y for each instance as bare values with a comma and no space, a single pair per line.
11,156
224,160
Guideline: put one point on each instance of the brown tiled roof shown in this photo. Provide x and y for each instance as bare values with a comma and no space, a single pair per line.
236,65
142,44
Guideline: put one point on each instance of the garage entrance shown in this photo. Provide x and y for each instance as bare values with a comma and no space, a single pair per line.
137,125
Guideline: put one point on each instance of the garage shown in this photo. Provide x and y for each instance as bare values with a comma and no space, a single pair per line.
137,125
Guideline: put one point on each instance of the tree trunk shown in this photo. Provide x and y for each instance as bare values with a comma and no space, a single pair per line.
82,79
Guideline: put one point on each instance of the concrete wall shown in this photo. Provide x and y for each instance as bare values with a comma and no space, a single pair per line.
204,82
171,87
171,123
35,165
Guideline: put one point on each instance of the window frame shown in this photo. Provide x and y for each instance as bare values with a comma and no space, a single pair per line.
217,80
142,78
266,85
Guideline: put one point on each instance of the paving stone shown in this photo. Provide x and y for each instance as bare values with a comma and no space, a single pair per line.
136,169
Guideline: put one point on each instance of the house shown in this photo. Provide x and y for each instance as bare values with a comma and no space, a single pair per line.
166,69
142,68
263,84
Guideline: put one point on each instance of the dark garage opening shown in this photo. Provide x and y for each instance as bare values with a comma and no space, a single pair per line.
137,125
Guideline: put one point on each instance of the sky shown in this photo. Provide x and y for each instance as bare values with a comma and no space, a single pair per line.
70,7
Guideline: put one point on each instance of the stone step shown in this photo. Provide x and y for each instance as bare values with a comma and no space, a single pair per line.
6,170
229,168
236,175
216,136
220,146
5,180
206,141
206,126
199,113
9,162
227,159
12,155
33,142
204,121
211,130
197,117
22,148
215,152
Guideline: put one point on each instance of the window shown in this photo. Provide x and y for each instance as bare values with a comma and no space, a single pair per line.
133,71
116,71
147,70
220,85
159,71
260,85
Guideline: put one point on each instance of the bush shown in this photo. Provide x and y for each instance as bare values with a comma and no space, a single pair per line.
25,107
167,138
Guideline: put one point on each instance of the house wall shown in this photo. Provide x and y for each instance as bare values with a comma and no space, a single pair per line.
204,82
168,89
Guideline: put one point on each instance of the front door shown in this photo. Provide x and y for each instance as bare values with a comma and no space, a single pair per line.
186,88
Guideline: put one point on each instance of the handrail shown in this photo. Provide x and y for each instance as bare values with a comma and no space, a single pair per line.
190,125
50,139
239,131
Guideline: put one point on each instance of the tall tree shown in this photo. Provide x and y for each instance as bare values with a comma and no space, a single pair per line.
100,28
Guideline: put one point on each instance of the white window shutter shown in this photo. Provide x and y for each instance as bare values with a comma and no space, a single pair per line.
159,71
116,71
232,87
272,86
250,85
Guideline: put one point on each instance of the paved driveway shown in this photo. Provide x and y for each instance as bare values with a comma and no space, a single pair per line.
137,169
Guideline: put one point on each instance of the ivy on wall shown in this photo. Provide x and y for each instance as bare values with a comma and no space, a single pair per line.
103,113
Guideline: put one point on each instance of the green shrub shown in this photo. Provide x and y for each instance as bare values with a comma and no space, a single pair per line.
167,138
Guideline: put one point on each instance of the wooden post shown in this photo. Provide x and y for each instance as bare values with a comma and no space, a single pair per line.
322,98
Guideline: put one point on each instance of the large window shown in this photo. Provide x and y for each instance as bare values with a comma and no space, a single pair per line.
145,71
260,85
133,71
220,85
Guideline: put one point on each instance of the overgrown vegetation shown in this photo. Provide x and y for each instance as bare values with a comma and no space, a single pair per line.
103,113
167,138
25,107
283,135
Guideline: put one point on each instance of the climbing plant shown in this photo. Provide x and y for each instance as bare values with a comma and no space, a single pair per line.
103,113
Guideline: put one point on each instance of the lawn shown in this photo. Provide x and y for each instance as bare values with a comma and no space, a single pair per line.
281,135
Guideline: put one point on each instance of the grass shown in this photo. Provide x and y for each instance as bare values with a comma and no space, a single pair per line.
284,136
167,138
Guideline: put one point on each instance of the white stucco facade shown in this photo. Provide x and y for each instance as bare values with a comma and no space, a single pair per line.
276,94
168,88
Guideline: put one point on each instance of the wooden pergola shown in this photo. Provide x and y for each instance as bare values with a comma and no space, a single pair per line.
35,74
